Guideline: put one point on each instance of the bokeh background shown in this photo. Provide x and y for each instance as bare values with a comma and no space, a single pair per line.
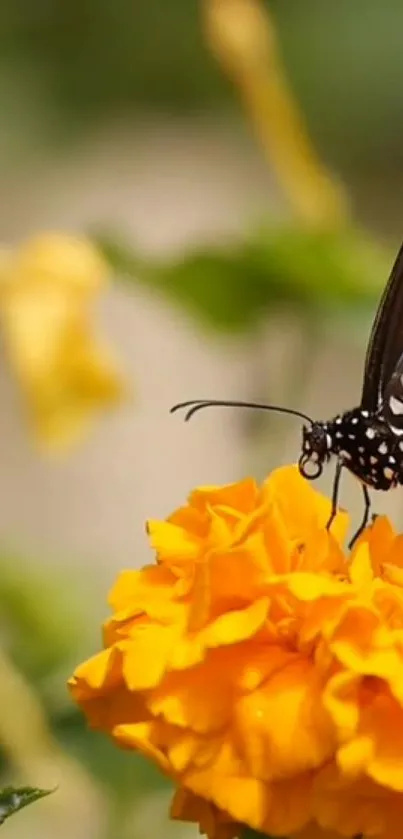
124,122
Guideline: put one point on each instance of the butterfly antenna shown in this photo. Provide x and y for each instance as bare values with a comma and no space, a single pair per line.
195,405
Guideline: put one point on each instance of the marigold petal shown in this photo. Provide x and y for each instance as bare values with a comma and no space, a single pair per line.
241,496
171,542
235,626
214,823
101,673
239,573
140,736
310,587
133,588
319,552
126,623
305,737
363,644
252,666
199,699
228,629
106,710
382,723
393,574
341,699
354,758
350,808
285,485
290,806
190,520
188,750
277,809
200,606
379,537
147,655
361,569
395,554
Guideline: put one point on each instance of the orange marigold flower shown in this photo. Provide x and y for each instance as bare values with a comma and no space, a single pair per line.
259,666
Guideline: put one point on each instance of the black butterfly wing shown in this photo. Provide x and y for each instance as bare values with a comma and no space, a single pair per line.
392,409
385,348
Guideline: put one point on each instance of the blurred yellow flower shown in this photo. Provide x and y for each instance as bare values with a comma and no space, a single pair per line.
242,36
259,666
48,288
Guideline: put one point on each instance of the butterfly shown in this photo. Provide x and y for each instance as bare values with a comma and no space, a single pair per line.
366,440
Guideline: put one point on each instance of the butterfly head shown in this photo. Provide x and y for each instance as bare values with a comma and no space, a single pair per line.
316,450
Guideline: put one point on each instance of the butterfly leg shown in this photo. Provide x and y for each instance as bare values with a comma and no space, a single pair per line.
335,493
367,502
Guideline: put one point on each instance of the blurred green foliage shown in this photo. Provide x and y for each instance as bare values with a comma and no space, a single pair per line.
236,288
87,60
41,627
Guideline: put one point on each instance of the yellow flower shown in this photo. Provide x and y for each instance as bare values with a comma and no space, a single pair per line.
48,288
259,666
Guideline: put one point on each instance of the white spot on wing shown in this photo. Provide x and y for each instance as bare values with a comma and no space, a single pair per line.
396,406
345,455
373,459
365,414
388,472
370,433
383,448
329,441
392,459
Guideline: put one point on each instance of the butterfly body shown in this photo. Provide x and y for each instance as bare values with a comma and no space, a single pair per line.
363,442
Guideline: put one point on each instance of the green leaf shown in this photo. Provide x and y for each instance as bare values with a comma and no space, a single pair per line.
324,268
13,799
235,288
218,286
